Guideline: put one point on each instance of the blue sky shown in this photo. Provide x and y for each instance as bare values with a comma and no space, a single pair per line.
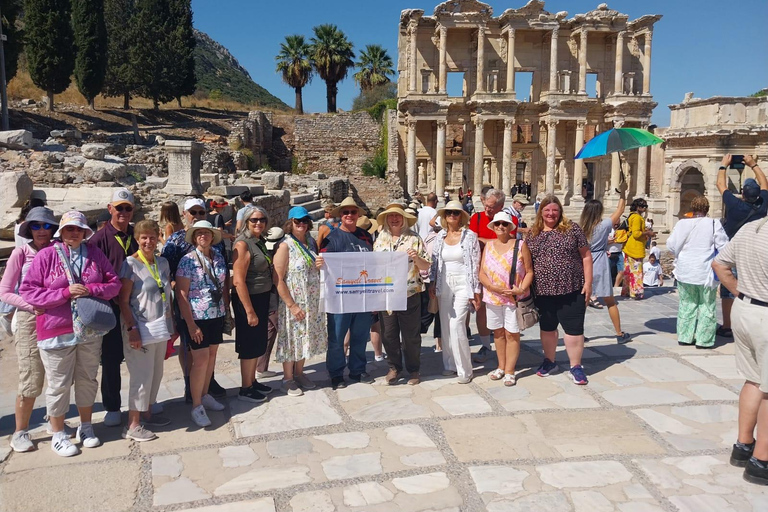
709,47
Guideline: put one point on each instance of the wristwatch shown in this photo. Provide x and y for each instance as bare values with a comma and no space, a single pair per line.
722,168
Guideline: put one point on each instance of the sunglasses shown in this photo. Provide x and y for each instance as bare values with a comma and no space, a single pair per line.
254,220
501,223
349,212
305,220
197,213
123,208
452,213
36,226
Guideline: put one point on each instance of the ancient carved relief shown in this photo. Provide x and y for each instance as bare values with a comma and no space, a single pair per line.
463,6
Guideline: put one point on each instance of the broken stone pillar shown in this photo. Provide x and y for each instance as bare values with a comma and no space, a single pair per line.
183,167
15,188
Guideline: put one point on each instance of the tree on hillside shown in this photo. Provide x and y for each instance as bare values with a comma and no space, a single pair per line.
49,45
91,43
181,46
14,37
295,63
150,53
332,57
375,67
377,93
121,72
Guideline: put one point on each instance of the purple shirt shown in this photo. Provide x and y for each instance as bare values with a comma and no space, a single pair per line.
116,253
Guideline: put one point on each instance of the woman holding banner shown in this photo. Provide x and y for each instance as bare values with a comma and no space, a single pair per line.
454,272
396,235
301,325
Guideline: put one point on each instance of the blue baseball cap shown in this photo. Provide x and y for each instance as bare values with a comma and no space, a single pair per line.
298,212
750,190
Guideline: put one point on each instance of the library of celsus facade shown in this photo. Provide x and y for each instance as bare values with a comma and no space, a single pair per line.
500,100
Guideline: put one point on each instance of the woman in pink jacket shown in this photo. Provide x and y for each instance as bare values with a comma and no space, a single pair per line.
66,357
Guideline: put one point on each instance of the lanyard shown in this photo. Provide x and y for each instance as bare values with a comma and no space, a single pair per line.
126,246
154,272
264,251
209,271
305,252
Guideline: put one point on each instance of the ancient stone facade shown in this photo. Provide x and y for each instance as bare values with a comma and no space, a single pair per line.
484,132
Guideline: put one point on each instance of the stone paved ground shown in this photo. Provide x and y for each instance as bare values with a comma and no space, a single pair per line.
650,433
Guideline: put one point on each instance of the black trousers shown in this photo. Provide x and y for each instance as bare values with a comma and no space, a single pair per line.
427,317
111,357
406,323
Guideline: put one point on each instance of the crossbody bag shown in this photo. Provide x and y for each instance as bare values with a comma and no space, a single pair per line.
527,314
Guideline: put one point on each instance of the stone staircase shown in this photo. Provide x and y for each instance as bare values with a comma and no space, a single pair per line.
313,205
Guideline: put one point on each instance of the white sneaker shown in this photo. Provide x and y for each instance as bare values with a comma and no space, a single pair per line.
380,358
465,380
86,436
199,416
61,445
68,431
156,408
112,419
20,442
211,404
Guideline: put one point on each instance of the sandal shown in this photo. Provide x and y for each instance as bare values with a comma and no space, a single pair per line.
724,332
593,303
509,379
496,374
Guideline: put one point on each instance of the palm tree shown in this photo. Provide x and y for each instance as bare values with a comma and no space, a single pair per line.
375,67
295,63
332,57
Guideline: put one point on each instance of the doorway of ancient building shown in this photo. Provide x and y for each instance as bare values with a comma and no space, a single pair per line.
691,186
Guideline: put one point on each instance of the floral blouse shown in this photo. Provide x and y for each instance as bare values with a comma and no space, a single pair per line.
470,247
408,240
201,287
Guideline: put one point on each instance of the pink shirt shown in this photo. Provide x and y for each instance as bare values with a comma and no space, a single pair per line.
498,267
15,270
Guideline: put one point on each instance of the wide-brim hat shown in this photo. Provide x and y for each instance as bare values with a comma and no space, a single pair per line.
521,198
274,236
398,209
203,224
370,225
37,214
73,218
504,217
453,205
346,203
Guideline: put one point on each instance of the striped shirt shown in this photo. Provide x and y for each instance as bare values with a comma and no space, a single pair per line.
746,253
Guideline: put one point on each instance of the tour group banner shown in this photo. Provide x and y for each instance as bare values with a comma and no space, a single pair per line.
355,282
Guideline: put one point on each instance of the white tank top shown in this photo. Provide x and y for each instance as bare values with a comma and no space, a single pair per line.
453,258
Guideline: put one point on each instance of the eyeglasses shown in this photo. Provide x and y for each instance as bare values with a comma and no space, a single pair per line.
203,232
197,213
123,208
500,223
254,220
349,212
305,220
452,213
36,226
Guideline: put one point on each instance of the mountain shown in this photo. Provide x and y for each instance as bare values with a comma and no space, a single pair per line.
217,70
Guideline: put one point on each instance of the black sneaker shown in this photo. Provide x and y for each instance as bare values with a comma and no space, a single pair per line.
261,388
364,377
215,389
740,456
338,383
250,395
756,472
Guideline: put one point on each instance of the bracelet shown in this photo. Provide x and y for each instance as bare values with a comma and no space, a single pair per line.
129,329
722,168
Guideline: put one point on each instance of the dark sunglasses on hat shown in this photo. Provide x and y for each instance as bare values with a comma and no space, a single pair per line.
452,212
34,226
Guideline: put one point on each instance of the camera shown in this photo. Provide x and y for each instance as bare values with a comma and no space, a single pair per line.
737,162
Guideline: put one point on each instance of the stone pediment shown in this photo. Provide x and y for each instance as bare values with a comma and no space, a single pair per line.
410,14
533,12
602,16
453,7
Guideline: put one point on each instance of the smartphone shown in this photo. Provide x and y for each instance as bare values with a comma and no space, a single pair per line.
737,162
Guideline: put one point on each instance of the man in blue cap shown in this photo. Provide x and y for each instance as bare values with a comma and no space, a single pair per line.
753,205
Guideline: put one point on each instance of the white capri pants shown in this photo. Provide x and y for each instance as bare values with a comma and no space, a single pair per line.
78,365
145,369
454,306
504,316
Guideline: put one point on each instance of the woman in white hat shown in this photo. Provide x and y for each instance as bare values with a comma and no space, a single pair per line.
454,274
60,274
397,235
38,227
202,284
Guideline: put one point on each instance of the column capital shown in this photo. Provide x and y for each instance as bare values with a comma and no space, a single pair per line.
411,123
509,123
581,124
481,30
618,123
479,122
441,123
621,34
556,31
442,29
510,32
552,123
648,37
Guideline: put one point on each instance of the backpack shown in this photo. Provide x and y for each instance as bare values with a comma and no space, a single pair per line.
621,234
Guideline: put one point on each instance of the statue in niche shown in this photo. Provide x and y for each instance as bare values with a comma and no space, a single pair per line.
486,172
422,173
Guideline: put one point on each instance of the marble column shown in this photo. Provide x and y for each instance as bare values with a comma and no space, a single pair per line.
550,177
615,164
440,159
412,71
506,165
510,61
578,165
647,65
642,169
583,61
477,177
411,158
553,60
480,59
618,77
443,78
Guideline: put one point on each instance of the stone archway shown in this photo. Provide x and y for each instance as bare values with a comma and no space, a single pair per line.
691,186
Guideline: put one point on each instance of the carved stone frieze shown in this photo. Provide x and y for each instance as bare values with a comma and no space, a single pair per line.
463,7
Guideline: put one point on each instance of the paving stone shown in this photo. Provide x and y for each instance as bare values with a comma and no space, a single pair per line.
422,484
283,413
390,410
312,501
289,447
502,480
265,479
583,474
707,413
352,466
701,503
421,459
639,507
181,490
356,391
458,405
723,367
663,369
539,501
712,392
237,456
591,501
257,505
347,440
665,424
167,465
367,494
411,436
642,395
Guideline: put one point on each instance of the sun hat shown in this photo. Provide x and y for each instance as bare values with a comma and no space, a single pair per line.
370,225
203,224
274,236
453,205
414,205
192,202
346,203
398,209
298,212
521,198
750,190
73,218
122,195
37,214
503,217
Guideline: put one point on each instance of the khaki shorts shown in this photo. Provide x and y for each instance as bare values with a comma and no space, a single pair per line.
31,371
750,323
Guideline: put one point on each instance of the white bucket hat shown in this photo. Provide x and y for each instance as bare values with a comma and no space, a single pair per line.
203,224
73,218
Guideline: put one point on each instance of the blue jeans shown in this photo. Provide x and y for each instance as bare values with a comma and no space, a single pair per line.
359,325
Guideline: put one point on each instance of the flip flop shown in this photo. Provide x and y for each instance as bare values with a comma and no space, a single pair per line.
595,304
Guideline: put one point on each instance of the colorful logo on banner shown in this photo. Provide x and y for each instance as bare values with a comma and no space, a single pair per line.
368,281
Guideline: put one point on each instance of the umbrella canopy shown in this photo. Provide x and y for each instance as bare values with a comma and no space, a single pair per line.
617,139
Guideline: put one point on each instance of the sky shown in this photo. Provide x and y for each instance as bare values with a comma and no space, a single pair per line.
708,47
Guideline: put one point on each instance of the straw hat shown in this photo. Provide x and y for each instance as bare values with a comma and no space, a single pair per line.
398,209
370,225
203,224
346,203
453,205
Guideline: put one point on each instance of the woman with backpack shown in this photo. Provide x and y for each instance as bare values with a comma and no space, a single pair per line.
634,249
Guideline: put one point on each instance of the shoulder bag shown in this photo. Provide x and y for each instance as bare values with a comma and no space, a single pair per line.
527,314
